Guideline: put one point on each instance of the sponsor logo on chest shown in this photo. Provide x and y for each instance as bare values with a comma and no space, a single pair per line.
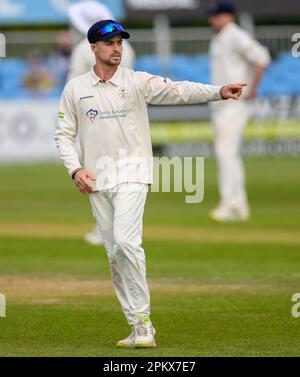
123,92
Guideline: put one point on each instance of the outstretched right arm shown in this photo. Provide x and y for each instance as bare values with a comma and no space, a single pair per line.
162,91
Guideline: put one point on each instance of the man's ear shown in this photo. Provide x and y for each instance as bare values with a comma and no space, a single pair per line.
93,47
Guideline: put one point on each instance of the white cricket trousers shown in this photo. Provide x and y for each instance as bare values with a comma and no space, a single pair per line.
119,216
229,120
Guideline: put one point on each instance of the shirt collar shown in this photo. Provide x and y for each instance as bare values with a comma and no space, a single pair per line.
115,79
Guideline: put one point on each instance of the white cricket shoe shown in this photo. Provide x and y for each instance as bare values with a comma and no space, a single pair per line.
230,213
144,333
127,342
94,237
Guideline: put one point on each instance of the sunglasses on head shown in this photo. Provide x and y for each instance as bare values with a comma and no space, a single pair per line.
110,28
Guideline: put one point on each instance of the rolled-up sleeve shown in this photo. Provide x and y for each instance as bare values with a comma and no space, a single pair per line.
66,132
162,91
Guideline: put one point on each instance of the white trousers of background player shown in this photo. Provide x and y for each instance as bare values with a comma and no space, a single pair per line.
230,119
119,216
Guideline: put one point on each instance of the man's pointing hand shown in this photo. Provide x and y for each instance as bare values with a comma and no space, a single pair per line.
232,91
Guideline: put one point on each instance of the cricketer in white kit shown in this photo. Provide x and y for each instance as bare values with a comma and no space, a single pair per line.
107,107
234,54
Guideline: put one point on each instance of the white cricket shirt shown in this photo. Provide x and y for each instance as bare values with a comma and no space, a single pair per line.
233,55
112,122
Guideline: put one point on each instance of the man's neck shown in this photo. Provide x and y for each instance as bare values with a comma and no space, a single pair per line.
226,25
104,73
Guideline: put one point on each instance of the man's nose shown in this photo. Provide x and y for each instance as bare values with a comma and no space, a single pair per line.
117,47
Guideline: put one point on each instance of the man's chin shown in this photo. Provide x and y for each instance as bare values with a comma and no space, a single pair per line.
115,62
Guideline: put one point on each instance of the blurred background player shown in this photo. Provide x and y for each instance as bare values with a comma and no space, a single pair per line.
82,16
234,54
61,56
37,77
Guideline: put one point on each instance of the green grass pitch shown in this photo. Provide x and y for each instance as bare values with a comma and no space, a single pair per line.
216,289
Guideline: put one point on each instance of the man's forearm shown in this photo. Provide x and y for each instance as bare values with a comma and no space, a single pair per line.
68,153
258,75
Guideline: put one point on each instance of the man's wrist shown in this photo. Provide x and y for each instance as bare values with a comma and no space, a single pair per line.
75,171
221,93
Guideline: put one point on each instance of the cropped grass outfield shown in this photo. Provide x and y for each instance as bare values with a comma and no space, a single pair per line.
217,290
